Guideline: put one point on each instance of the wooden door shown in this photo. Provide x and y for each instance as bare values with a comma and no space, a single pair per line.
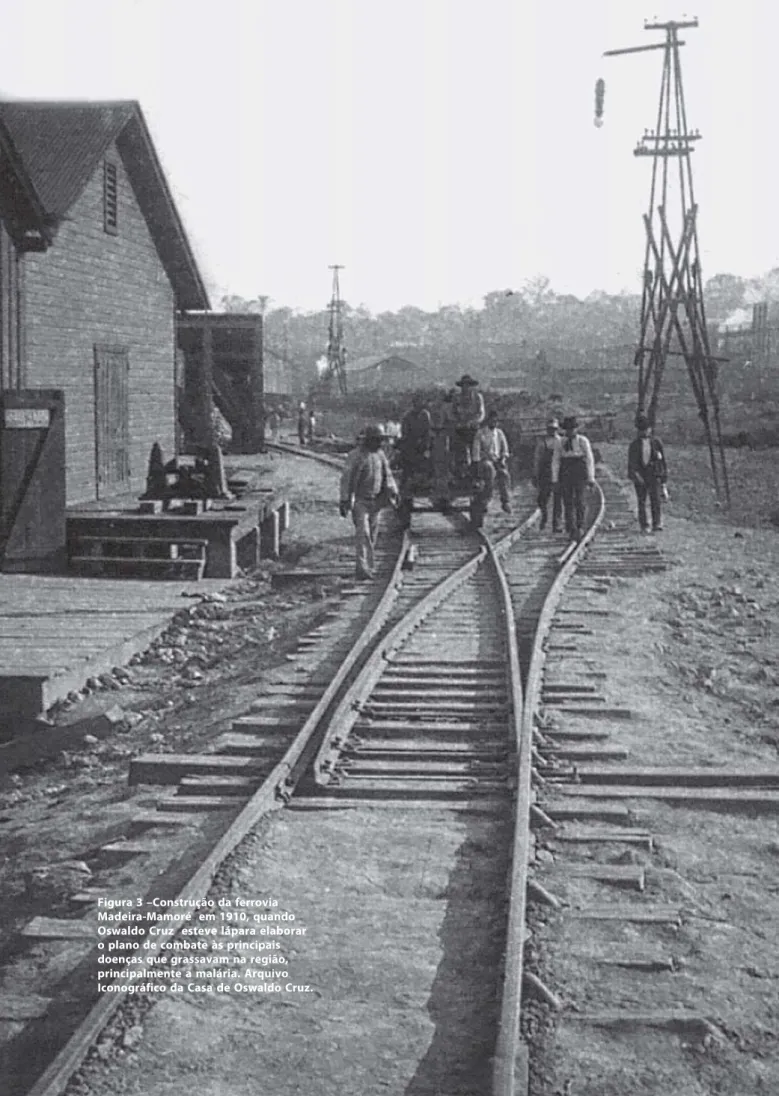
112,419
32,480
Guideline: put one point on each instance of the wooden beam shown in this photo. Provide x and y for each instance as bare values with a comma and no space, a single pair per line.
765,799
685,777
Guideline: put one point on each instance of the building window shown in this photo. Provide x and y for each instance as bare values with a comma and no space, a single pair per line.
110,198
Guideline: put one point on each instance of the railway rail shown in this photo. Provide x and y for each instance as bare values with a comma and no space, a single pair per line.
456,607
442,729
265,749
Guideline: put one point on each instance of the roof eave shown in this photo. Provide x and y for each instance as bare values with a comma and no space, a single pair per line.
38,221
181,265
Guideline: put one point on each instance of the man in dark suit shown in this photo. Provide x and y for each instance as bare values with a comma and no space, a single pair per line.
648,472
542,476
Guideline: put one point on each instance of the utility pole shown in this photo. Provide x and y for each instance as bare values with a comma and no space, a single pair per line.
336,352
672,309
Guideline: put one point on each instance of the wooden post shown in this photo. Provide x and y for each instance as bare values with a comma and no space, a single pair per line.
257,389
206,379
270,541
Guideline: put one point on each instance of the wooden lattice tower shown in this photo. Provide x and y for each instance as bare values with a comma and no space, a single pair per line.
673,317
336,352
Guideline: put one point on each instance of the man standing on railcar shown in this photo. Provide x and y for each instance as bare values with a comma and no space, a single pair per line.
467,417
415,436
542,476
573,468
490,455
367,487
648,472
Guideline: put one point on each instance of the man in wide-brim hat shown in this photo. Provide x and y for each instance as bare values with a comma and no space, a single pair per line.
573,468
542,475
367,487
467,417
648,472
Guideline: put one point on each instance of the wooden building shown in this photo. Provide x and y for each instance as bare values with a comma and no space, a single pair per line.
390,374
221,355
95,266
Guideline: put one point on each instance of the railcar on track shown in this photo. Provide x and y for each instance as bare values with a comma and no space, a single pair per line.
440,474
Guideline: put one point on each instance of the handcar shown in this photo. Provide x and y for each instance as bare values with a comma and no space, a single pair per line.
442,474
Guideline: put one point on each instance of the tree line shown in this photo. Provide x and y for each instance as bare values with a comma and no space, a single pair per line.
512,330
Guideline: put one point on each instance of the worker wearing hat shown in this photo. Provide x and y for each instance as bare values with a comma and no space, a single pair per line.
542,476
490,455
573,468
467,417
367,487
648,472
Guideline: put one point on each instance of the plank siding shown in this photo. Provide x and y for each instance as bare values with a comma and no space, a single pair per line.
89,289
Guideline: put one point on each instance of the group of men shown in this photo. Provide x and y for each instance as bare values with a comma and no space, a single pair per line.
367,482
563,468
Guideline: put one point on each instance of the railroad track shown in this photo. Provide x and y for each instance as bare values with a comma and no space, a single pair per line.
305,452
264,750
422,780
448,641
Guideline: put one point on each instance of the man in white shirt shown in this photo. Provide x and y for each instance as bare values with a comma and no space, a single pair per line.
367,487
467,415
490,453
573,467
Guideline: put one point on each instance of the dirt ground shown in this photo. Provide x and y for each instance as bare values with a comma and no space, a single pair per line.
692,649
692,652
396,968
204,671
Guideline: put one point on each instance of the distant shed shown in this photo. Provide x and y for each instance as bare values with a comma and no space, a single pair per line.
222,366
391,374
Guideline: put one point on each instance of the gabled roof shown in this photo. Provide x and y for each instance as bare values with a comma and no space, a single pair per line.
20,206
391,362
61,145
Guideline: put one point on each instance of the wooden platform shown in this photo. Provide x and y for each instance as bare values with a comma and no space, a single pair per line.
58,631
121,541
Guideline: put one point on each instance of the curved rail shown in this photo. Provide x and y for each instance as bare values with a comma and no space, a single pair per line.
309,454
273,793
345,714
367,659
510,1067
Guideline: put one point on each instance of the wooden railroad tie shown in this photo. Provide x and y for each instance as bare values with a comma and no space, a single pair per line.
754,798
673,1020
668,777
199,803
642,915
170,768
19,1007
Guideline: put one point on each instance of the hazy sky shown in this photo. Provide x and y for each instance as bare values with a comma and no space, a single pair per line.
439,149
